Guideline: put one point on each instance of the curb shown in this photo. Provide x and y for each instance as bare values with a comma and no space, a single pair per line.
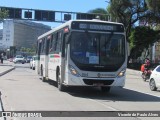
1,106
7,71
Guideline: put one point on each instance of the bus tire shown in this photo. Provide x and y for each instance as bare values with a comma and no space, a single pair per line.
105,88
42,77
59,84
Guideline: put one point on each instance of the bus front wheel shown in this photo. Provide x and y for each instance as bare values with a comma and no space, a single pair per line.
60,85
105,88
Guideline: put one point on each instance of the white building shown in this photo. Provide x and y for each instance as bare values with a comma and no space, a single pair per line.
21,33
8,31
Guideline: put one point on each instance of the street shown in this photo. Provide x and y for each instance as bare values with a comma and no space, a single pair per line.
23,90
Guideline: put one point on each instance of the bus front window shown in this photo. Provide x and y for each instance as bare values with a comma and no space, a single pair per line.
88,49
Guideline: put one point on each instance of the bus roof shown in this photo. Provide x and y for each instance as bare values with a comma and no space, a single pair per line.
68,23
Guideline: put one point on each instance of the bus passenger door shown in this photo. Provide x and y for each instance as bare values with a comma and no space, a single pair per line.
37,67
47,56
64,58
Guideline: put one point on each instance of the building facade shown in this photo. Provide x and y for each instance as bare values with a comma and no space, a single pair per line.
1,37
156,52
8,31
21,33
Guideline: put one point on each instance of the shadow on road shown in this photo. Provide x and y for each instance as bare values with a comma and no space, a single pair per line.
116,94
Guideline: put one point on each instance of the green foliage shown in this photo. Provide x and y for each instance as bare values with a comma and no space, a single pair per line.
103,13
3,14
98,11
128,12
119,8
154,5
141,37
30,51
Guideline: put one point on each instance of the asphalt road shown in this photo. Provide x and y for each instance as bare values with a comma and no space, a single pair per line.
23,90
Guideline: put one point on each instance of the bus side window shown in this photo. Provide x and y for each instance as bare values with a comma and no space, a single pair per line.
51,44
39,47
47,46
42,46
54,42
58,42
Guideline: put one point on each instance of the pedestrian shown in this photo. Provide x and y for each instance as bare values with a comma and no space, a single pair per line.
147,66
2,56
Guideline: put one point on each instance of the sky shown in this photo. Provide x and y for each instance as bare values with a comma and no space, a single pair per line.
56,5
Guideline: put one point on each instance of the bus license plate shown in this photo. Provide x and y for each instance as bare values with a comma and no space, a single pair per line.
98,84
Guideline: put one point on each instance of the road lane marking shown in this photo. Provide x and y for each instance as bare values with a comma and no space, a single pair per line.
109,107
144,92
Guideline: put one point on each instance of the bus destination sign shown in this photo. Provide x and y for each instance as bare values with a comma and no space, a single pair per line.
98,26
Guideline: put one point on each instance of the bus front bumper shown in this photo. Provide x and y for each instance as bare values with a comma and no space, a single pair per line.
82,81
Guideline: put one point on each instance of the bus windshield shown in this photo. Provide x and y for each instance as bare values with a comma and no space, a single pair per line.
99,49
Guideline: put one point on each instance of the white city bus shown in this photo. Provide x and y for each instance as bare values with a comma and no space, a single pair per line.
84,53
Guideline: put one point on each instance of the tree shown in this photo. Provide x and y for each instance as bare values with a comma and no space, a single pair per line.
128,12
141,37
29,51
154,5
100,12
154,8
3,14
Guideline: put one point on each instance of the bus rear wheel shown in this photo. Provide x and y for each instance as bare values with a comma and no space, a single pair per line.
105,88
43,78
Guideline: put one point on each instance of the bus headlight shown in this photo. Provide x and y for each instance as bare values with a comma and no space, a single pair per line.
73,71
122,73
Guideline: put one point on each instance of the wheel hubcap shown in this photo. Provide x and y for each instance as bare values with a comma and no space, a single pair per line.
152,84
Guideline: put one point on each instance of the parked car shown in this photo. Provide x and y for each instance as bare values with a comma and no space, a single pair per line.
154,82
32,63
19,58
28,59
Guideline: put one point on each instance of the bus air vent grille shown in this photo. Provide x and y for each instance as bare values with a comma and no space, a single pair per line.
95,81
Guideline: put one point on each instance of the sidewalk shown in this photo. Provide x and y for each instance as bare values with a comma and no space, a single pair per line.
6,67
